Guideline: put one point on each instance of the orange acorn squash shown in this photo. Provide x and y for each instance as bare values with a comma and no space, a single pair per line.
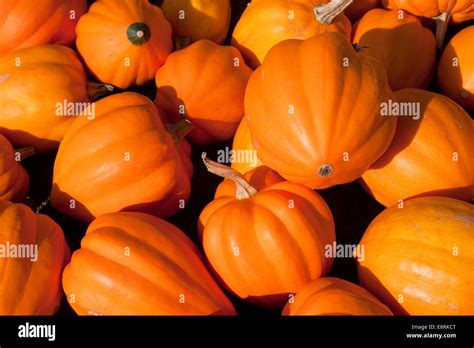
268,22
194,20
137,264
358,8
268,244
316,118
14,180
205,83
136,43
124,159
243,144
46,78
333,296
26,23
430,156
456,69
33,254
391,37
419,258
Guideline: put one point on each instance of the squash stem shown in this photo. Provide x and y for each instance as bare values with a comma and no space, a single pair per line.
326,13
25,152
442,22
179,130
244,189
97,90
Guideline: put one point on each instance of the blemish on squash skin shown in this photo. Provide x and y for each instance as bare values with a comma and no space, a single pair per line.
4,77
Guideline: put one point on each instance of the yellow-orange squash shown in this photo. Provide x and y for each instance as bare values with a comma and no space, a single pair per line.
419,258
268,22
456,69
26,23
204,82
429,156
268,244
14,180
333,296
316,118
391,37
358,8
137,264
194,20
124,42
35,84
242,145
33,254
124,159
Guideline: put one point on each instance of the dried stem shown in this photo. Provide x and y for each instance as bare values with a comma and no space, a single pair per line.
179,130
97,90
326,13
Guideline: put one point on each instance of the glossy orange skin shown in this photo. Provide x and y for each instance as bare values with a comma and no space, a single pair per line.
137,264
358,8
457,82
30,287
46,75
14,180
204,78
203,19
422,255
333,296
419,162
259,178
270,245
110,55
26,23
123,160
462,10
267,22
331,116
243,142
391,37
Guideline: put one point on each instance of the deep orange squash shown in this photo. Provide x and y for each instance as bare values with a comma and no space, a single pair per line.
243,143
14,180
391,37
194,20
268,22
266,245
205,83
431,156
124,159
320,131
26,23
456,69
443,11
45,77
358,8
33,254
137,264
419,258
136,43
333,296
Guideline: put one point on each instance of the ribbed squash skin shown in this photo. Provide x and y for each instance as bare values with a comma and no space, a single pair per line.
243,142
137,264
432,156
203,19
123,160
26,23
43,76
111,55
31,287
419,258
456,69
265,23
333,296
391,37
14,180
320,131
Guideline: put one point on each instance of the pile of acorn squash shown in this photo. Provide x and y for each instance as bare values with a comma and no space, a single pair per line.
353,119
